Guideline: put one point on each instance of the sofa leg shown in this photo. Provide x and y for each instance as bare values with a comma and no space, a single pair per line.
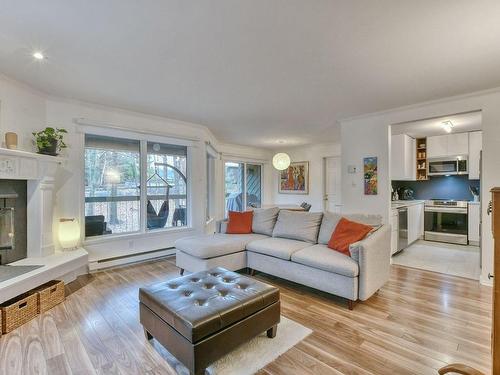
271,332
148,335
251,272
350,304
182,271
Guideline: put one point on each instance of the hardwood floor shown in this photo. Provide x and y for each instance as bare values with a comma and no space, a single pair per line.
418,322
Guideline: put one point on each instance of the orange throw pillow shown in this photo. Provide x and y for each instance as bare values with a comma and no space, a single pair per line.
239,222
346,233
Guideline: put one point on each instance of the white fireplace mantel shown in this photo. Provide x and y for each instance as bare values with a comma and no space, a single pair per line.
25,165
39,171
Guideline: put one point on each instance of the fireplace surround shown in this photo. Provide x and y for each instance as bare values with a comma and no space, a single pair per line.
38,173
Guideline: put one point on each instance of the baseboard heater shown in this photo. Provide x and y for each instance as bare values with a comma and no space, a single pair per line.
132,258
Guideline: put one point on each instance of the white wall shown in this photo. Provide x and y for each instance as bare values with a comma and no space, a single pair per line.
314,154
369,136
24,110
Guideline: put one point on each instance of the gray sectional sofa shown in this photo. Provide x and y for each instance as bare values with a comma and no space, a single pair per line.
293,246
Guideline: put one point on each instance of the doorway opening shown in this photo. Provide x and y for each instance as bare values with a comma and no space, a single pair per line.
436,203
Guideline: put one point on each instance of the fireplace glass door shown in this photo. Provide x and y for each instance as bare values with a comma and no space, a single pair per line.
6,228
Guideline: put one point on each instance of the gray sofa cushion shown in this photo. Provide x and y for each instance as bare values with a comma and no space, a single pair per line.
277,247
302,226
331,219
323,258
264,220
215,245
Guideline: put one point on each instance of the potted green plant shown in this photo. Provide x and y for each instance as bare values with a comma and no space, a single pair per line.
50,140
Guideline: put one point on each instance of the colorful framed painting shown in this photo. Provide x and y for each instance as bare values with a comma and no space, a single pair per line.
370,175
295,179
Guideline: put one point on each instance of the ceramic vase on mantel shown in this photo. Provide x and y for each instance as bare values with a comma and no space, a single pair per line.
11,140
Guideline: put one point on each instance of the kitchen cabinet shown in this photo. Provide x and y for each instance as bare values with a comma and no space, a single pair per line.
403,157
394,231
437,146
458,144
473,222
447,145
415,222
475,147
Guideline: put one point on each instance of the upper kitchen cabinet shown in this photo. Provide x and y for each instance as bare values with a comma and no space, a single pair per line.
475,147
447,145
458,144
437,146
403,157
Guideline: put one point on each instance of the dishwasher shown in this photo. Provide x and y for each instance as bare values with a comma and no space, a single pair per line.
403,228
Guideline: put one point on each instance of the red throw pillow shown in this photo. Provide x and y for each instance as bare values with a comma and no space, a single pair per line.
239,222
346,233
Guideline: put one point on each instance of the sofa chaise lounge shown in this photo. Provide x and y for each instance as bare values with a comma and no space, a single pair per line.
293,246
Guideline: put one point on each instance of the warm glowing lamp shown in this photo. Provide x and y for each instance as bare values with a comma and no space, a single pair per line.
281,161
69,233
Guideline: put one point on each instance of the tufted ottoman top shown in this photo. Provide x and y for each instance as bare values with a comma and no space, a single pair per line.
203,303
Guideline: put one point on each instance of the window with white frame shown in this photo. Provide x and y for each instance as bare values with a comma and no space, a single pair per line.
243,186
210,189
127,177
166,186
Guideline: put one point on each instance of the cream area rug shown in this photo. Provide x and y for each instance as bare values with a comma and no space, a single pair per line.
250,357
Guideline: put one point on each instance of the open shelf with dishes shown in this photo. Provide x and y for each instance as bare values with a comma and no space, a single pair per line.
421,159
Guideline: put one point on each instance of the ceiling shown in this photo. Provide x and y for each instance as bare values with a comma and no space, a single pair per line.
464,122
254,71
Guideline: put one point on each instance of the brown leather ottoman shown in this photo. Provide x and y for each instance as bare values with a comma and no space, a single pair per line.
203,316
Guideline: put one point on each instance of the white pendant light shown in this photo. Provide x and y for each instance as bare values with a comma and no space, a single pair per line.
281,161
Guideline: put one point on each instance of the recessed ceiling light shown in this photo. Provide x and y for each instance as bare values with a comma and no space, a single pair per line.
281,141
38,55
447,126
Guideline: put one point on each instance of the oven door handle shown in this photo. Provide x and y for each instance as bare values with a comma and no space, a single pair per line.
446,210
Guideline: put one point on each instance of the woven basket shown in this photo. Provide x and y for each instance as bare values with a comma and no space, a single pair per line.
18,311
49,295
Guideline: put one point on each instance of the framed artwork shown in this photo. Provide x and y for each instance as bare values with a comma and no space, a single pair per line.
295,179
370,175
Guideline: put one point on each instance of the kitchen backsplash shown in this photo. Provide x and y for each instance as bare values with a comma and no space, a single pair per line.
451,187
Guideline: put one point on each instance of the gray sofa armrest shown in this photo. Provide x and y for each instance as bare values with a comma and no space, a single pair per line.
374,258
221,226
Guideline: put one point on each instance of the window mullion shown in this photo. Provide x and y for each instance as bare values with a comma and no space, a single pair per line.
244,208
143,190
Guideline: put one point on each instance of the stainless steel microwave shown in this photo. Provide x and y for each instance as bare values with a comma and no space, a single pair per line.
451,165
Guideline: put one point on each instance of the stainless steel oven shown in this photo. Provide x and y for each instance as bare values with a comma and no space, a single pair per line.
446,221
456,165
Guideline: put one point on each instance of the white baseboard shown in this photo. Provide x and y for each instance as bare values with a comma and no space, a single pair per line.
97,265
